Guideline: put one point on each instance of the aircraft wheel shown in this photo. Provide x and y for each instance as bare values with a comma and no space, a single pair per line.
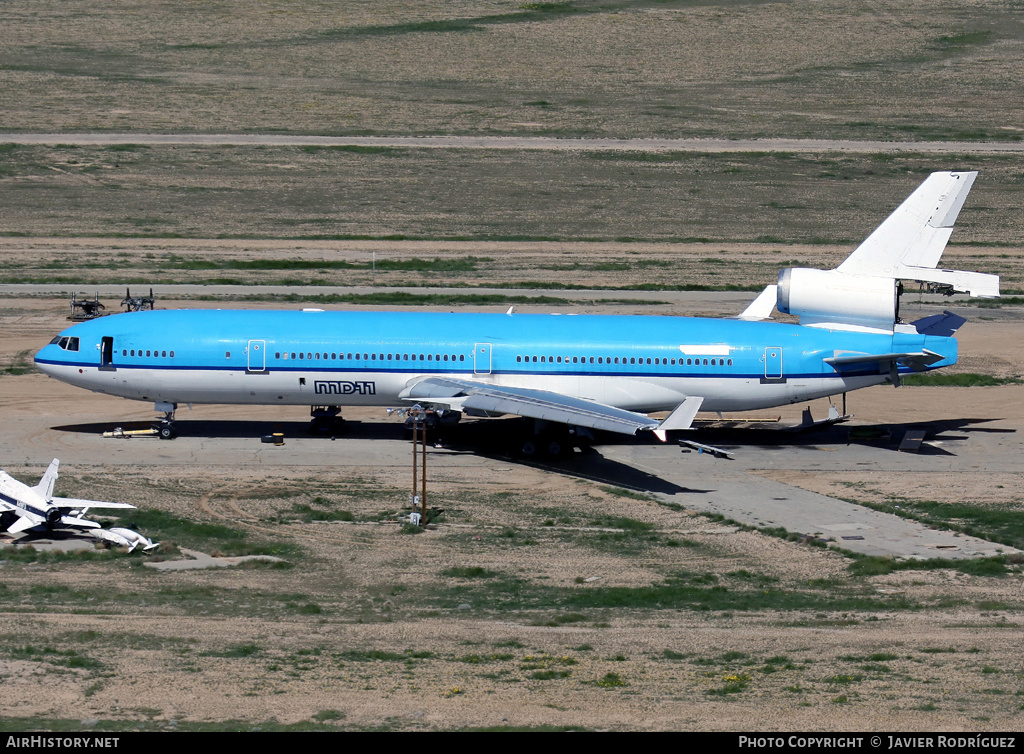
167,432
556,449
528,449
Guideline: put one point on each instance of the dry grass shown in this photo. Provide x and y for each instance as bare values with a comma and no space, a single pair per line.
499,618
602,67
483,195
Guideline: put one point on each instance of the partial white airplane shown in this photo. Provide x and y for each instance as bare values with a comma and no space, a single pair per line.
125,538
23,508
596,372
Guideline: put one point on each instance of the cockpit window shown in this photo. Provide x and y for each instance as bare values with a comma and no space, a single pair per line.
66,343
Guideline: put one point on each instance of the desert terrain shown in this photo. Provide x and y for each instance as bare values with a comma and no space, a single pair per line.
588,594
584,594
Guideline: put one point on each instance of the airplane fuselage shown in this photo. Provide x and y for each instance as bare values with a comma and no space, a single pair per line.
20,495
314,357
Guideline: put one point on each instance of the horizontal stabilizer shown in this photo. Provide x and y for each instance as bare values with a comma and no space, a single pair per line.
918,360
24,523
944,325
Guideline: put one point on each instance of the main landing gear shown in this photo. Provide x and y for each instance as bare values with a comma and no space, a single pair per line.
165,428
326,420
550,441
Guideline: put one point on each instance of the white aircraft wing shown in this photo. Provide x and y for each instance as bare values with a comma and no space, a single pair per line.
71,502
535,404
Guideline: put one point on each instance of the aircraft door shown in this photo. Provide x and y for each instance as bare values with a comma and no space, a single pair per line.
482,358
257,355
773,363
107,353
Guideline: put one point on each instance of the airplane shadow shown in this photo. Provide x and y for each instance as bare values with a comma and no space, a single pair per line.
500,438
82,539
214,429
883,436
492,438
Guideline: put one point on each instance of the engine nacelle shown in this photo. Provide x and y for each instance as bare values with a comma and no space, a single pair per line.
833,297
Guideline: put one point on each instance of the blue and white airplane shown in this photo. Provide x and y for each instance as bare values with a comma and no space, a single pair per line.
598,372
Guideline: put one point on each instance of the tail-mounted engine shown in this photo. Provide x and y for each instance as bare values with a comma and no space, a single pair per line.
833,297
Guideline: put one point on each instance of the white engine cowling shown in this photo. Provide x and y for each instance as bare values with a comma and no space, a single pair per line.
833,297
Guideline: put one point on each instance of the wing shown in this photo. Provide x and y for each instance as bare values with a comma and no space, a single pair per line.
543,404
75,503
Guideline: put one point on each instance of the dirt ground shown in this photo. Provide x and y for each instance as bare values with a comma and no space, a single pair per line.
548,596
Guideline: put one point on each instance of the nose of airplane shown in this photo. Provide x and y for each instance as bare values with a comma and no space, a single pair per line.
46,358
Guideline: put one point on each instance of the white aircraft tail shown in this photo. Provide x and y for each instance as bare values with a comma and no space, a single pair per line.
863,292
909,244
45,486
